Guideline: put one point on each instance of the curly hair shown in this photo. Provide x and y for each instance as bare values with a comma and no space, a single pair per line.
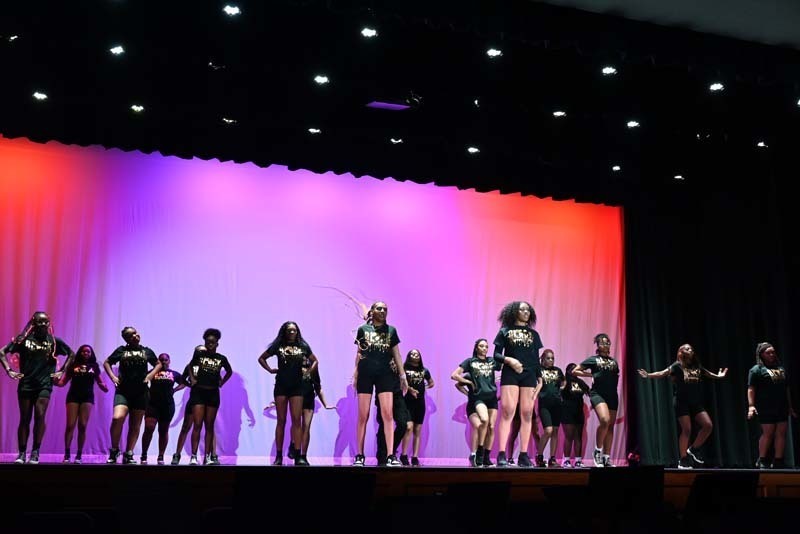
508,315
281,337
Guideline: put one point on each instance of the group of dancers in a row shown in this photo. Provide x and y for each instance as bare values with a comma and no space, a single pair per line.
145,386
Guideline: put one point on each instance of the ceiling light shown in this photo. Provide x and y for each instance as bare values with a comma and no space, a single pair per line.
616,168
137,108
116,50
678,177
321,79
228,120
633,124
314,131
478,104
762,144
494,52
369,32
609,71
39,96
231,10
714,87
395,141
473,149
559,114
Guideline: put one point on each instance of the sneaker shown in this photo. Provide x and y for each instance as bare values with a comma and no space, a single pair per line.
761,463
552,462
685,463
358,461
113,454
213,459
597,456
176,459
473,462
160,459
607,461
66,458
278,460
127,459
300,459
510,460
193,460
524,460
578,464
292,453
392,461
404,459
487,462
143,459
501,459
78,460
695,455
539,460
34,459
20,458
415,461
566,464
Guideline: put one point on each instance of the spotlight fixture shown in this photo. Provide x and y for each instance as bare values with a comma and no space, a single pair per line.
633,124
136,108
369,32
477,103
12,38
228,120
716,87
231,11
314,131
678,177
616,168
321,79
609,71
39,96
117,50
559,114
395,141
473,150
494,52
762,144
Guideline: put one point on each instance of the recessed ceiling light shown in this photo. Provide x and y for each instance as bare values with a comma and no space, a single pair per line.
473,150
117,50
369,32
559,114
228,120
762,144
714,87
39,96
231,10
609,71
321,79
314,131
678,177
395,141
494,52
633,124
137,108
616,168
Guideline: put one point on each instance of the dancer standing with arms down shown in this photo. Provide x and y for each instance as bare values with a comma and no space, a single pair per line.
550,407
769,399
82,376
419,379
161,408
517,347
37,348
378,344
604,371
132,394
572,418
687,374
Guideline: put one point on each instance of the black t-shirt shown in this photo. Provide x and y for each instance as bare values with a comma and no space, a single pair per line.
209,366
482,373
687,383
163,384
573,392
291,357
520,342
37,360
132,364
311,379
375,343
605,374
770,385
417,376
82,378
552,379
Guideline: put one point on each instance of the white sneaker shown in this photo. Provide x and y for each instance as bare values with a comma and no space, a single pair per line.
566,464
607,461
193,460
597,456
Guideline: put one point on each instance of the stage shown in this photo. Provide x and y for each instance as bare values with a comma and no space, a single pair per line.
127,498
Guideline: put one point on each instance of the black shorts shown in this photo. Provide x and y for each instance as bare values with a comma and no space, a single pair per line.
525,379
375,375
611,399
771,415
490,402
205,397
416,407
80,397
163,412
34,394
684,408
309,400
572,414
550,412
134,399
288,390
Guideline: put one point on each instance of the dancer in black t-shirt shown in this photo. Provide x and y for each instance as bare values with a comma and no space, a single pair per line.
517,347
419,379
769,399
132,394
37,349
82,375
292,351
572,418
312,388
378,344
205,376
550,407
161,407
687,375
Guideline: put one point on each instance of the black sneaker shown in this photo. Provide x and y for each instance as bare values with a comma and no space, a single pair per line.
301,460
78,460
597,456
695,456
415,461
127,459
392,461
212,459
552,462
66,458
278,460
487,462
358,461
473,462
501,459
20,458
761,463
523,460
685,463
510,460
113,454
160,459
292,453
404,459
143,459
539,460
34,459
176,459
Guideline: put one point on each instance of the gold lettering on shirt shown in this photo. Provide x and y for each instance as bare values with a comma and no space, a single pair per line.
575,388
416,379
607,364
550,376
80,370
777,375
520,338
481,368
375,342
33,345
132,357
692,376
291,355
210,364
164,375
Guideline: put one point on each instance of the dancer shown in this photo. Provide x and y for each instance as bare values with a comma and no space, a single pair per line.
186,425
572,418
37,349
419,379
402,424
161,408
378,344
517,347
604,371
206,382
686,375
291,350
132,394
769,399
550,407
312,388
477,374
82,375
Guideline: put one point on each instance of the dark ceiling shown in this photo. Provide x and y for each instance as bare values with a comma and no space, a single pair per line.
242,88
